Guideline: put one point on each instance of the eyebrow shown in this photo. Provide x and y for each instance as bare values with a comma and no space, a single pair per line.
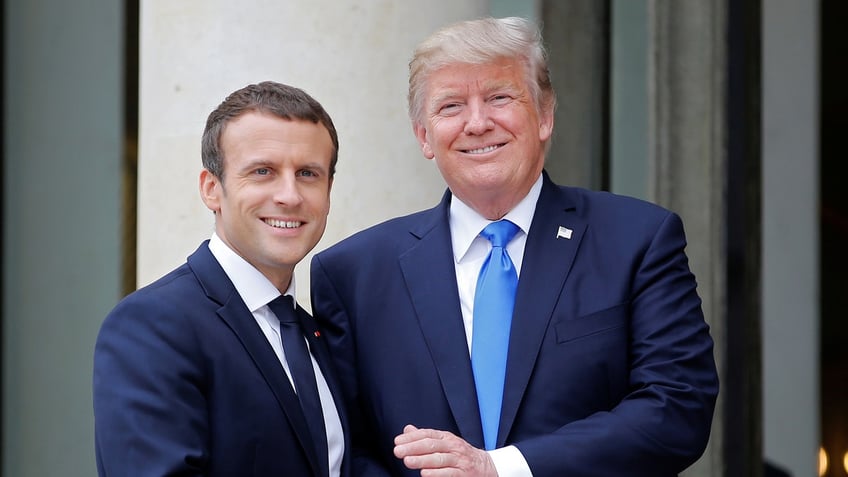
315,165
488,86
443,98
255,164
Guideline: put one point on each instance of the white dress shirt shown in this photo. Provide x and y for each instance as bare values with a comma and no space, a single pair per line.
470,250
257,291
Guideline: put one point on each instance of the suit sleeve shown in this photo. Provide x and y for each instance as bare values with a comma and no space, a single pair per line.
149,406
662,424
327,308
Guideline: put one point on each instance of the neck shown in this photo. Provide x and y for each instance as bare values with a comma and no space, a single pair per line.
494,206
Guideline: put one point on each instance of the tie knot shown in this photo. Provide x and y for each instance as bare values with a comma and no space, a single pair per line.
500,232
283,307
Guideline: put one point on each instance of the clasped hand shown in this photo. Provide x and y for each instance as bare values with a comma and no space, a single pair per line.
441,454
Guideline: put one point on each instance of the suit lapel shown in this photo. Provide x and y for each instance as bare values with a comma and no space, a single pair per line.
539,288
235,313
430,277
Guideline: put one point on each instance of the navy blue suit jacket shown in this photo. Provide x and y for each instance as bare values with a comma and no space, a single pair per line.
610,369
185,383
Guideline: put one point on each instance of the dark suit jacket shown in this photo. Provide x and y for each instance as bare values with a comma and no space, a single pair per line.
610,369
185,383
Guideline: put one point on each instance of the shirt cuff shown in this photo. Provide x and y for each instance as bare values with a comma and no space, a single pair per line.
509,462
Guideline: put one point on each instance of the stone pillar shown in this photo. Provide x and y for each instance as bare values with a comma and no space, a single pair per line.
351,56
677,146
686,103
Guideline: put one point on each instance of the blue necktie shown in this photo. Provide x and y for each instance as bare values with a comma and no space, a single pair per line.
303,374
494,301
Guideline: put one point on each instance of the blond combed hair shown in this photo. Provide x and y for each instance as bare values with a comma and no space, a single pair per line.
478,42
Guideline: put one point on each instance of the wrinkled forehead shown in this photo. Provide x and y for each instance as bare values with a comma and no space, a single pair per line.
463,78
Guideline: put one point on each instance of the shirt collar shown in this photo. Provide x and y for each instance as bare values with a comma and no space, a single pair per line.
466,223
254,288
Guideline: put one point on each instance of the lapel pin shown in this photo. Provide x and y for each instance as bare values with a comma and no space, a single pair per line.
564,232
317,334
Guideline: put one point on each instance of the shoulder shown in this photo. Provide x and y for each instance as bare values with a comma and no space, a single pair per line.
595,202
169,290
610,220
166,303
606,208
155,328
394,234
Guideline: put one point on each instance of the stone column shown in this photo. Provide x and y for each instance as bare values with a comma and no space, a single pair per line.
686,103
351,56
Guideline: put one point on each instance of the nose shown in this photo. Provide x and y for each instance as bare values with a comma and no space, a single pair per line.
287,189
478,121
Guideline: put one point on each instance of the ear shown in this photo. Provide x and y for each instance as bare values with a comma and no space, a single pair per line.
329,190
421,135
210,190
546,124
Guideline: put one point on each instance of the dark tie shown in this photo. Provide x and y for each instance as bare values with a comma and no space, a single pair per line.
302,373
494,301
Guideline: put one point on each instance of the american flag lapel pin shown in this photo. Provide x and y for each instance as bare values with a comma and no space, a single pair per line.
564,232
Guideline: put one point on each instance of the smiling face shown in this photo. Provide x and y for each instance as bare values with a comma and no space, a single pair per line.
484,131
272,202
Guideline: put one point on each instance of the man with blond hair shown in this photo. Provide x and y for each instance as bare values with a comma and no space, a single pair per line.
519,327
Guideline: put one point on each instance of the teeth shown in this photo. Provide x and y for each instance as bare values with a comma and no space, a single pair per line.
282,224
482,150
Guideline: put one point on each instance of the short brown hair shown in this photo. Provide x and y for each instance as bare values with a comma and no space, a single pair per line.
283,101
